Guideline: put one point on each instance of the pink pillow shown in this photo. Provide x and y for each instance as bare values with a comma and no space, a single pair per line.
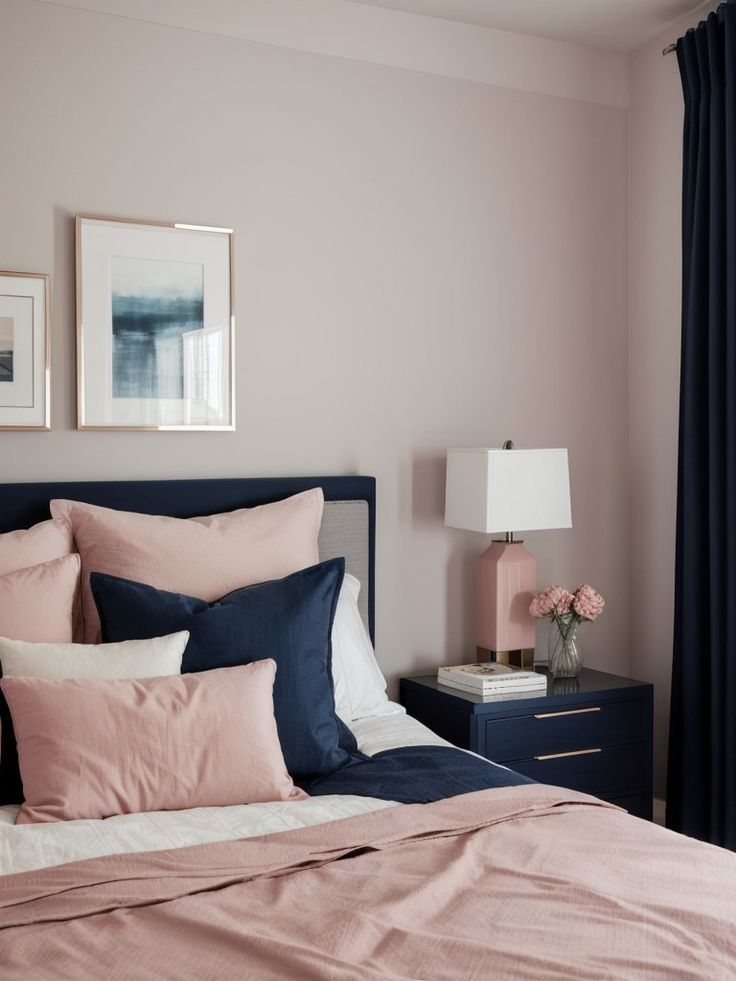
43,542
91,749
203,557
38,603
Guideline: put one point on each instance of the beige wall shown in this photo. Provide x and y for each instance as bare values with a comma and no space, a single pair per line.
655,135
421,262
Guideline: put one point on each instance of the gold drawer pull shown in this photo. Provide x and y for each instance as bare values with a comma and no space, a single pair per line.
555,715
576,752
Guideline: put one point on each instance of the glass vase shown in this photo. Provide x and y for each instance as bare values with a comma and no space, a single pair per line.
564,654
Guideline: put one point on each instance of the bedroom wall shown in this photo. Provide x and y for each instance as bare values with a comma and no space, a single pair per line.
422,261
655,136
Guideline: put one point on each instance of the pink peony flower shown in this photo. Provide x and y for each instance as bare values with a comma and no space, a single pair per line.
563,600
540,605
587,603
552,601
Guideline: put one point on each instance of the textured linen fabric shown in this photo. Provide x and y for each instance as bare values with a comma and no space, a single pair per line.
521,882
90,749
44,542
25,847
205,556
289,620
154,658
360,688
36,604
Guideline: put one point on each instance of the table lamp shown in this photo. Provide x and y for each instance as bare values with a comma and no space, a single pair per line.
506,490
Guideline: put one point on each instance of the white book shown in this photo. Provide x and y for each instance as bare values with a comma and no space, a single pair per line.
508,691
489,676
498,690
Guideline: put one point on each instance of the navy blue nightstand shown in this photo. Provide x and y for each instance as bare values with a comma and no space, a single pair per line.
592,733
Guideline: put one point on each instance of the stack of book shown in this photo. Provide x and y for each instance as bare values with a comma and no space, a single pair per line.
493,680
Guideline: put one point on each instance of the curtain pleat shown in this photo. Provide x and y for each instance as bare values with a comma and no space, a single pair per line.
701,779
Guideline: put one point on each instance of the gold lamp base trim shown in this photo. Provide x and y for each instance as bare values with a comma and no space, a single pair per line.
523,658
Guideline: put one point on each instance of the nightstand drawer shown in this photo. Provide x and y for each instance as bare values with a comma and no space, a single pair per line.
560,731
599,771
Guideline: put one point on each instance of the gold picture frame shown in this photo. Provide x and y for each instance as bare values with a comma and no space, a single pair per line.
155,308
25,351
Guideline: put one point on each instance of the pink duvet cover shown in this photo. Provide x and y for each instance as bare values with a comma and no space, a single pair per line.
521,882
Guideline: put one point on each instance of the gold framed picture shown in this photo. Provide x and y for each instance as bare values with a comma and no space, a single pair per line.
24,351
155,325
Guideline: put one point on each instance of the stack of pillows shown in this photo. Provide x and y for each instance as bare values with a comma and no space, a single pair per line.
220,660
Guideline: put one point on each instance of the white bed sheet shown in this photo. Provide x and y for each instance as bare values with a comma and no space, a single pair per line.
33,846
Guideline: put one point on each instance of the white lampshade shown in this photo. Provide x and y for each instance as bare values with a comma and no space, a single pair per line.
495,490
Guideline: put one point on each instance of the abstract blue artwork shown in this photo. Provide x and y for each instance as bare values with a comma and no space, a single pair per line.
155,304
155,325
6,349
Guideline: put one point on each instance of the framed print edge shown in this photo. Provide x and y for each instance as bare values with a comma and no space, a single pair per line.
82,400
78,314
45,425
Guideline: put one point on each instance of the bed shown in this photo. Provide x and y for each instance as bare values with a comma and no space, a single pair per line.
486,877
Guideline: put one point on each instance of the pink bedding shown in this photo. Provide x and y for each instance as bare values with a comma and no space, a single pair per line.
522,882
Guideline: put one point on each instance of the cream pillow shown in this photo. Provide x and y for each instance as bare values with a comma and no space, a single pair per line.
155,658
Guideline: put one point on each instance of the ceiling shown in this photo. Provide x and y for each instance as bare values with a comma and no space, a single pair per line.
614,25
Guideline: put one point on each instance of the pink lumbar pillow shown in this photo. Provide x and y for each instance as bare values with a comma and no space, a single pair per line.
91,749
38,603
43,542
205,557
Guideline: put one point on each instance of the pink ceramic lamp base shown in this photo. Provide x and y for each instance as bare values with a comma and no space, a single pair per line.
505,582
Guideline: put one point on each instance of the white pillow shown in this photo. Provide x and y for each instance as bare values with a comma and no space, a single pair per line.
155,658
360,688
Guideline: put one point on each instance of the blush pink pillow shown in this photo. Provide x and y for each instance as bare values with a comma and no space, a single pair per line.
204,557
91,749
43,542
38,604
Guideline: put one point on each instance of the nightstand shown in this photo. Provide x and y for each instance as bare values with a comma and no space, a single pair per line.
591,733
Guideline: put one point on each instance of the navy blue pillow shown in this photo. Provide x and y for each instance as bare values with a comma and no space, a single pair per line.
289,620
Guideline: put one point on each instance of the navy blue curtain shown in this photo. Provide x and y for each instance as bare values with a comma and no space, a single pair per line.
701,783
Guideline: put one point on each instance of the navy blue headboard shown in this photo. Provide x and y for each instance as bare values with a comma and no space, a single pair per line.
22,505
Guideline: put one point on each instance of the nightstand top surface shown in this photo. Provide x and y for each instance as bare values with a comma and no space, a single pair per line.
588,683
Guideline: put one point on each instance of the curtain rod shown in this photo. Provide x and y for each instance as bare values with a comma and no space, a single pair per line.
673,47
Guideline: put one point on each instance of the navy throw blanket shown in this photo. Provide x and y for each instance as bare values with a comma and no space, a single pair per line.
415,775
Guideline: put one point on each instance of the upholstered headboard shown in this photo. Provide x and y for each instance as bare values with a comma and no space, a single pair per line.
348,525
